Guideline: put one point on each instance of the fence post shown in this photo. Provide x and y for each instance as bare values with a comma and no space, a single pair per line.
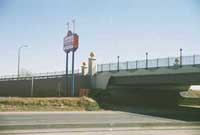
127,65
157,62
32,85
101,67
118,63
194,60
181,57
168,62
109,67
146,60
136,62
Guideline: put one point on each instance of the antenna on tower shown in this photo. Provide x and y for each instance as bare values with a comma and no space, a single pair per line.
67,26
73,21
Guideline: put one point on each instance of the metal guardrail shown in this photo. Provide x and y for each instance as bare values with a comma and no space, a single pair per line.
150,63
37,75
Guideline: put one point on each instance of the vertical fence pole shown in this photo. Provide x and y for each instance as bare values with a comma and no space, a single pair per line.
127,65
118,63
32,81
109,67
157,61
168,62
146,60
136,64
181,57
194,60
101,67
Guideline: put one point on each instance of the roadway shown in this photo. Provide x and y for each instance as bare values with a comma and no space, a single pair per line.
107,131
88,123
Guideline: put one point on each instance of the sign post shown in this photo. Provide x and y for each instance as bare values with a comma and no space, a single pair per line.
71,41
73,79
66,75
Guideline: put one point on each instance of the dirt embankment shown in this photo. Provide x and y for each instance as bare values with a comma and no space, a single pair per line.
48,104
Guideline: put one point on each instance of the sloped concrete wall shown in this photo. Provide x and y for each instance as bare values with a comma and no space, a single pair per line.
101,81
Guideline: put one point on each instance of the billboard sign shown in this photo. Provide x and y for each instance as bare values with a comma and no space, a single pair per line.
70,42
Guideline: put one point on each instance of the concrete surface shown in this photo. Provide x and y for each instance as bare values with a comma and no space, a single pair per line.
89,123
109,131
43,118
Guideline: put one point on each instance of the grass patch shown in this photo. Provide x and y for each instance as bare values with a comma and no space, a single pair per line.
48,104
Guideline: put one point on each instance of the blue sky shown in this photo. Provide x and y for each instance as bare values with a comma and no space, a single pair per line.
127,28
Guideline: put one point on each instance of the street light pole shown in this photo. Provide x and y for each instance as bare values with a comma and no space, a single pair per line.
19,53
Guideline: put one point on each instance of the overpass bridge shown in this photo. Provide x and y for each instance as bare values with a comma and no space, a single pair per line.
150,80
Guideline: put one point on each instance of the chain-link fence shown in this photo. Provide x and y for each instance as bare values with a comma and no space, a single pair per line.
150,63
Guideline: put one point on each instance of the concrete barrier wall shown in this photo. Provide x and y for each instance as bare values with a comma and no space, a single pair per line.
186,75
50,87
169,82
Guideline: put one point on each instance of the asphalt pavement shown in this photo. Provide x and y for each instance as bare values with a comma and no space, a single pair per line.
86,123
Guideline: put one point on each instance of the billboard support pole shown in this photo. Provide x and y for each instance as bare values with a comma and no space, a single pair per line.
66,77
70,44
73,81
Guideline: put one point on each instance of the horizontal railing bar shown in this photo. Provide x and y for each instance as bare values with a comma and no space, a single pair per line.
37,75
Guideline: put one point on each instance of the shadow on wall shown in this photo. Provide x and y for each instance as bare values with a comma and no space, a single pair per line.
139,97
146,106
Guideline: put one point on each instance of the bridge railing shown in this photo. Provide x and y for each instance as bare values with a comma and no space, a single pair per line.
37,75
150,63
